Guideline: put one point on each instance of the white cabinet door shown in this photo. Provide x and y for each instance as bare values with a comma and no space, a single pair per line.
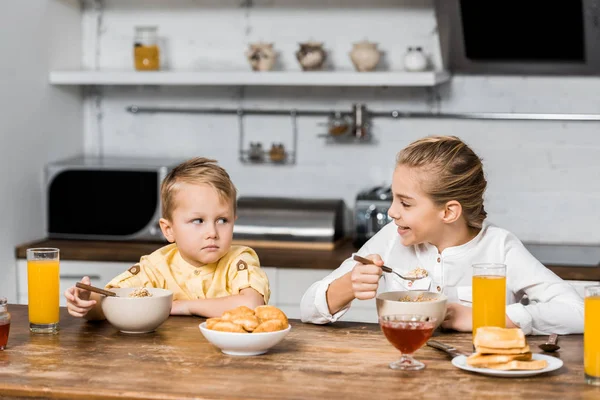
272,276
71,272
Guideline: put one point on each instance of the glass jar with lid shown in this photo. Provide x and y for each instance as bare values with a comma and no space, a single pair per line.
146,53
4,323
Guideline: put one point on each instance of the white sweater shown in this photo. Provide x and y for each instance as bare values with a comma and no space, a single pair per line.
554,305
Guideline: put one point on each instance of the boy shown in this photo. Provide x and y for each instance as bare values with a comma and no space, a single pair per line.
207,275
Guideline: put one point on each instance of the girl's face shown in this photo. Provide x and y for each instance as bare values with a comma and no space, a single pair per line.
419,220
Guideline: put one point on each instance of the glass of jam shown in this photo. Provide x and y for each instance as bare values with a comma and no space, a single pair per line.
4,323
408,333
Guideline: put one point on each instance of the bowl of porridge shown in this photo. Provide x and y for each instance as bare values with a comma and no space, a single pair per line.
137,310
417,302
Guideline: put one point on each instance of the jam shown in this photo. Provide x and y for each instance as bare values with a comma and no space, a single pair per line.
407,337
4,335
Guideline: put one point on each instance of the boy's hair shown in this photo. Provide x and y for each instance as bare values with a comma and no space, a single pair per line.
197,170
455,172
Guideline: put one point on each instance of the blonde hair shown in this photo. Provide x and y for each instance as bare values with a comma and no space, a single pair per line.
455,172
197,170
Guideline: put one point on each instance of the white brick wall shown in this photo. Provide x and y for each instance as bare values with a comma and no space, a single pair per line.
542,176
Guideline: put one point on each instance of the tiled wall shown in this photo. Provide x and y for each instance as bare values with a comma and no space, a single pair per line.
543,176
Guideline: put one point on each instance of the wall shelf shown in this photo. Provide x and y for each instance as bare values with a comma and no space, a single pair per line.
249,78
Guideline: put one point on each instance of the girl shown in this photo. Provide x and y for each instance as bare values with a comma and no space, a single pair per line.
439,225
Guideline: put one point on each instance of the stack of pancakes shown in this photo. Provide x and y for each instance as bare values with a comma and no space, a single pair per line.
503,349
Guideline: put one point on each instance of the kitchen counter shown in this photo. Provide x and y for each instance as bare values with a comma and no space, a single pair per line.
340,361
85,250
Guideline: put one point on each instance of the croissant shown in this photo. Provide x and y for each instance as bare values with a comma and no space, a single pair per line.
266,313
211,322
228,326
248,322
271,325
236,312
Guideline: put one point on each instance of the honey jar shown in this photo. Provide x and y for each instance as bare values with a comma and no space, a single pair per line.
146,53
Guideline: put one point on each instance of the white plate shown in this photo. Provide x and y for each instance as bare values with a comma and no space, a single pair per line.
553,364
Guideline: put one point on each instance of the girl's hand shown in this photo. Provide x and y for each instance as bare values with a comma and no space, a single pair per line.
458,318
365,278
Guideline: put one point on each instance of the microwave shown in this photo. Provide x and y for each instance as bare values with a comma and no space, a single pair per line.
105,198
520,37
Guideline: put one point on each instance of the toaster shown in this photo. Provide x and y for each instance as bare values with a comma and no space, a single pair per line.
371,212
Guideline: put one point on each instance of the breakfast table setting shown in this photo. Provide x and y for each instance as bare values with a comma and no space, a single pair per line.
93,360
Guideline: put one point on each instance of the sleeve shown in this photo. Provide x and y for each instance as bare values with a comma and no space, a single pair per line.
245,272
141,274
554,305
314,307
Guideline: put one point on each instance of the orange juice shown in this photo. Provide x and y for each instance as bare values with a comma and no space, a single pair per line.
591,337
44,293
489,301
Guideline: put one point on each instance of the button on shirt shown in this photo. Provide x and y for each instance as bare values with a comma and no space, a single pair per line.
554,305
165,268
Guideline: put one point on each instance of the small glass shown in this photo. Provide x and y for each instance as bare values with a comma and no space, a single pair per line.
489,295
146,54
591,335
43,278
408,333
4,323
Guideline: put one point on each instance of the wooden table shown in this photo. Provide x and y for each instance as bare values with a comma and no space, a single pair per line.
344,360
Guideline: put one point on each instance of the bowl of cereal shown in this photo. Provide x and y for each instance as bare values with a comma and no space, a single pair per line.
246,332
416,302
137,310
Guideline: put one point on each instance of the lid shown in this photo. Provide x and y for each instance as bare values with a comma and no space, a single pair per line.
376,193
3,301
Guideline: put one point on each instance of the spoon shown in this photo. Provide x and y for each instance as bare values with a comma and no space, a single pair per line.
95,289
386,269
551,345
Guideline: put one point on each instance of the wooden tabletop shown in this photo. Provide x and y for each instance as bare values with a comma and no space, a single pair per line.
93,250
340,361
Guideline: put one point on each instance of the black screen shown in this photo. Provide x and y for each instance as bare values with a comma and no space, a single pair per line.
102,202
526,30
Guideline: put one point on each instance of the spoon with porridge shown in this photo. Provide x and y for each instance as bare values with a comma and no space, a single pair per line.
142,292
414,275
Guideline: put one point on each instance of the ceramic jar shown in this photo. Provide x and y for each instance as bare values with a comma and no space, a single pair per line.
311,56
277,153
415,59
365,56
261,56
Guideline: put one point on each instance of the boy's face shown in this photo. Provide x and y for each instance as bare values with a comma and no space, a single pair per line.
201,224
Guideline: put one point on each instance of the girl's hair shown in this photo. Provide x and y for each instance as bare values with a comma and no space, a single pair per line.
454,171
197,170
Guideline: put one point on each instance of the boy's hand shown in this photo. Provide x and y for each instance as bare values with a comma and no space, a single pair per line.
365,278
458,318
78,300
180,307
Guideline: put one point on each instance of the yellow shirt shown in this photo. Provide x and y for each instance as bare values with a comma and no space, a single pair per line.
165,268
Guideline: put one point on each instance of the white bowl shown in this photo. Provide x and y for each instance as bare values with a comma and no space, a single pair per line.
389,303
243,344
137,314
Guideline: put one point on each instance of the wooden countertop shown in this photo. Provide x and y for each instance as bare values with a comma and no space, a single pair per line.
87,250
340,361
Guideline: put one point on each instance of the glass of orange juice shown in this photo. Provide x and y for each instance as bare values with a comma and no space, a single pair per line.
489,295
43,289
591,335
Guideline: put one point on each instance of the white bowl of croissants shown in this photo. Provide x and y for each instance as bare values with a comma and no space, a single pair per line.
246,332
